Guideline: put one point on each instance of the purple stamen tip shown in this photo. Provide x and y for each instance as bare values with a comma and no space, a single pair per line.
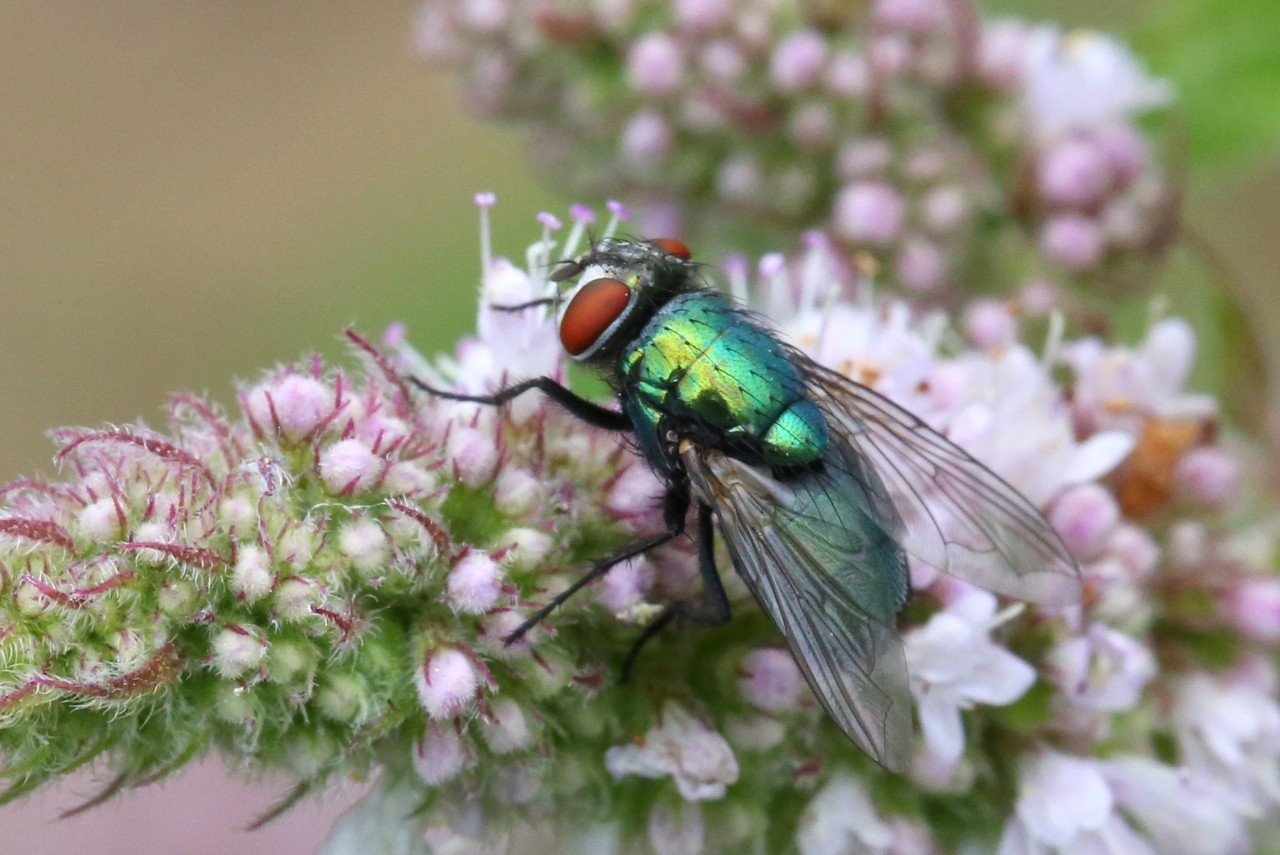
549,220
813,240
618,209
394,335
582,213
485,200
737,265
772,264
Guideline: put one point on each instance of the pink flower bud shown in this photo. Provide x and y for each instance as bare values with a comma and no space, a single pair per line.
237,650
722,60
646,138
1072,173
474,454
364,544
702,14
507,727
847,75
989,324
945,209
798,60
865,157
1135,549
813,127
1253,607
439,755
475,584
626,585
252,576
296,598
294,405
447,683
1072,241
99,522
655,65
239,516
1085,516
770,680
912,16
921,266
739,179
518,492
1208,475
349,466
869,212
1125,151
496,628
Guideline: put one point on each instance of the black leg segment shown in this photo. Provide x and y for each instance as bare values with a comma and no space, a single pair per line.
592,414
710,607
675,508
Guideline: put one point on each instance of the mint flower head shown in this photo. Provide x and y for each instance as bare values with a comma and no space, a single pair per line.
952,149
323,582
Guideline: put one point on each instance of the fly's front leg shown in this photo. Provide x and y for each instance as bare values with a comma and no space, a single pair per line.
592,414
710,607
675,507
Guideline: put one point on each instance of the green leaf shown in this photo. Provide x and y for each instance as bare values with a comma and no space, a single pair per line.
1223,59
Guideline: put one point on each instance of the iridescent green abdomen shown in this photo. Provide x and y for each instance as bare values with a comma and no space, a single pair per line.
702,368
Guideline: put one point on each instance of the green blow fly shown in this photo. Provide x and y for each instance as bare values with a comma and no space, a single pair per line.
819,486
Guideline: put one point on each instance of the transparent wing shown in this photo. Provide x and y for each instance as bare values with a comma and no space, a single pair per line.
831,578
955,514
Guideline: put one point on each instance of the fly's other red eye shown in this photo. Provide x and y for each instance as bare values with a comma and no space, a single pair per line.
671,246
596,305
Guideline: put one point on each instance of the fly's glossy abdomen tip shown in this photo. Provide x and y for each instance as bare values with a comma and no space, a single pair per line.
593,310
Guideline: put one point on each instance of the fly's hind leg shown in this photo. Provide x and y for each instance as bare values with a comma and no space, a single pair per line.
710,607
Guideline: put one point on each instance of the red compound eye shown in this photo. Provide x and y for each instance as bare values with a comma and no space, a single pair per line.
596,305
671,246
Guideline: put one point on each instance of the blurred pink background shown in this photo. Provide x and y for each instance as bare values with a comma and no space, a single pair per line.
194,192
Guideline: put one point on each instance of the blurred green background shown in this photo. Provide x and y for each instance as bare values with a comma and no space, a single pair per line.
193,192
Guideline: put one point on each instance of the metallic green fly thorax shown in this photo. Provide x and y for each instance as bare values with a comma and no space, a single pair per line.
702,367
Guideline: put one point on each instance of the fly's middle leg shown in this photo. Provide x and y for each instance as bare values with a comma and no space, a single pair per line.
675,508
710,607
